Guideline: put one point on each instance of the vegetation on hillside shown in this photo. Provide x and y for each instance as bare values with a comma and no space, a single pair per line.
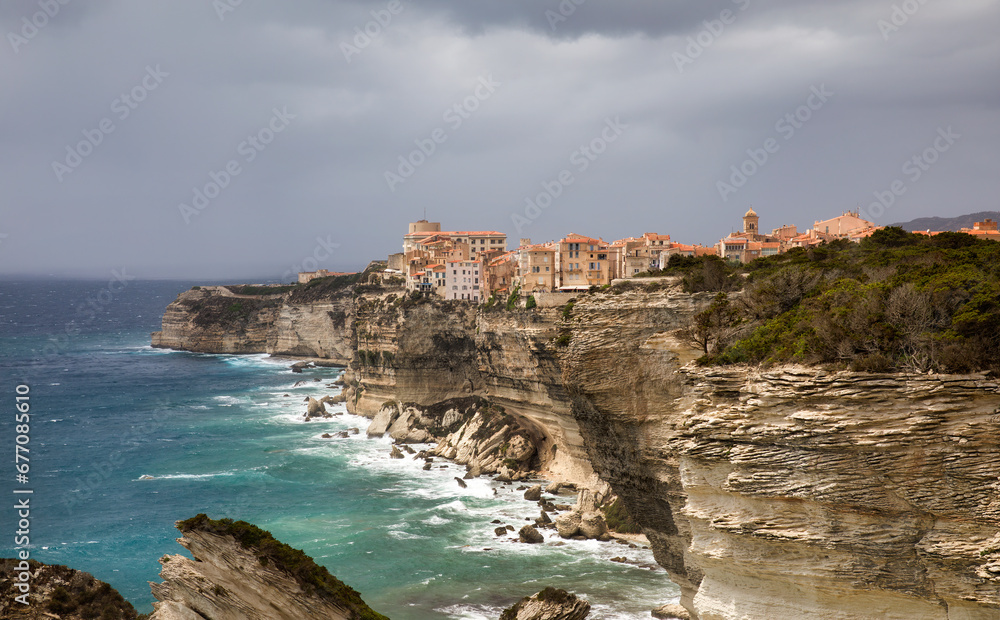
294,562
896,301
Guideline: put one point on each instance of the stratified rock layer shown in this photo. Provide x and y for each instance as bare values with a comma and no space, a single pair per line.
229,581
549,604
795,492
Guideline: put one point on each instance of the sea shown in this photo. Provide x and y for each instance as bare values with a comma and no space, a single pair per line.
124,440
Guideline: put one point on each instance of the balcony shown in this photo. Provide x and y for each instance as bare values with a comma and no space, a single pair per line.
594,275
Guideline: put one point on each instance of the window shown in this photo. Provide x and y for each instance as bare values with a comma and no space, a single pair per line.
546,270
541,280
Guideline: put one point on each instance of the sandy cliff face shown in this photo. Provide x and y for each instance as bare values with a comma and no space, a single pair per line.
794,493
433,351
214,320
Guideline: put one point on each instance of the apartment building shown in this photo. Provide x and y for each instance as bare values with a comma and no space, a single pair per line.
463,280
582,262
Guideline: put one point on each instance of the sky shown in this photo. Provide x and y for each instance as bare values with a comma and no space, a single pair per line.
249,139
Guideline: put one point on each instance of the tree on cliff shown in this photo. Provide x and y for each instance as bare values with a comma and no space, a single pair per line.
714,327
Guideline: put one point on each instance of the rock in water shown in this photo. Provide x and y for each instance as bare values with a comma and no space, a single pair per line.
500,531
554,487
395,453
241,571
528,534
671,612
534,493
549,604
544,519
568,524
316,409
461,482
592,525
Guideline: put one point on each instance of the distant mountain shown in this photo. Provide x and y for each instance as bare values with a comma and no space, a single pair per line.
948,223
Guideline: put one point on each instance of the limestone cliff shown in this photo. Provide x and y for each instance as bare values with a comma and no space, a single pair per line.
794,492
215,319
791,492
431,351
240,572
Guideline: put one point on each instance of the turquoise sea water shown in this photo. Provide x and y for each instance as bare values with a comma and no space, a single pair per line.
224,435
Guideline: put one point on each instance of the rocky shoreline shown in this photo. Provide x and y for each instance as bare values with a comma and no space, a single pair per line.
745,480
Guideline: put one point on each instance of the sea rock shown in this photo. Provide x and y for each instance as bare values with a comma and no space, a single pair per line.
461,482
543,519
316,409
326,436
354,431
549,604
428,466
671,612
592,525
500,531
528,534
553,488
568,524
383,419
533,494
395,453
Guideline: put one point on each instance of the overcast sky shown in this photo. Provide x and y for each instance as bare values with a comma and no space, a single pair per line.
228,139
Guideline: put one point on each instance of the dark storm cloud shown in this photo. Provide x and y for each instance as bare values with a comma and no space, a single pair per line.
192,90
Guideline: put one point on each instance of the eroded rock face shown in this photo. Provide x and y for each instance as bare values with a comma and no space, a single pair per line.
549,604
227,581
212,319
795,493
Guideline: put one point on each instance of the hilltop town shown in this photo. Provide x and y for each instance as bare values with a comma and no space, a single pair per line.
475,265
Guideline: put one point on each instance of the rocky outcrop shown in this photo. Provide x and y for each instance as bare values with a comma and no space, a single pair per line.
431,351
794,492
54,591
303,321
470,430
549,604
240,572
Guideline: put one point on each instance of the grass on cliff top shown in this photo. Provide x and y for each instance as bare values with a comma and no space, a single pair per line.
896,301
270,551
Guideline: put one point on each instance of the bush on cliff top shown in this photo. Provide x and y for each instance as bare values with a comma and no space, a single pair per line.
896,301
272,552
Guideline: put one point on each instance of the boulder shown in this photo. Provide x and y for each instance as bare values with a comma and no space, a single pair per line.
554,487
428,466
549,604
461,482
568,524
533,494
528,534
500,531
383,420
592,525
671,612
395,453
544,519
316,409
